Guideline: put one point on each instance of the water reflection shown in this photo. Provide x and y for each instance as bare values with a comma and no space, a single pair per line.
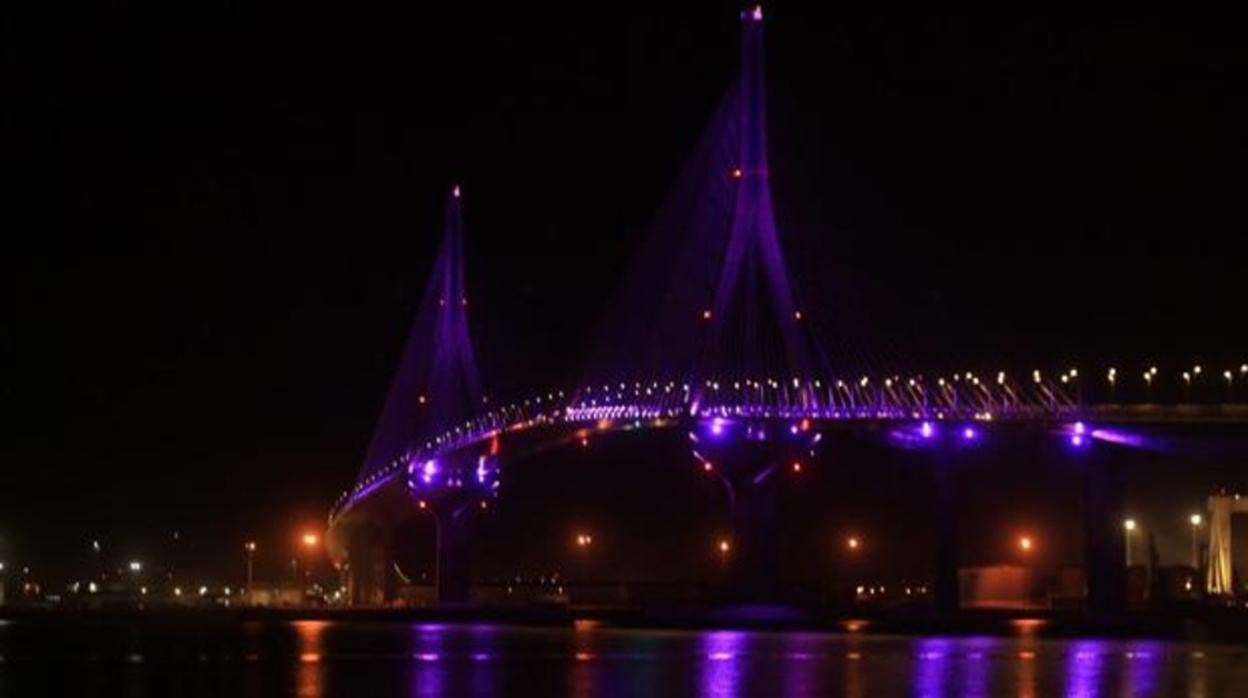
1085,668
855,679
585,667
801,668
931,670
974,663
314,658
429,672
310,651
1144,661
1194,669
721,662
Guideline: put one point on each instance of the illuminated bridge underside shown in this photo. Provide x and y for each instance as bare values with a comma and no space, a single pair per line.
913,410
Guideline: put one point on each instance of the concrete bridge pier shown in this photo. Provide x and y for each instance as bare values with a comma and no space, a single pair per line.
754,558
945,587
367,563
454,555
1104,535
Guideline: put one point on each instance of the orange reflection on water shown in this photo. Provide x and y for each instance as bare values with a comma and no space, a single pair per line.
310,645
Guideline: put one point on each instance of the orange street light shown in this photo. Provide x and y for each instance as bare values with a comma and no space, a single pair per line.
1025,544
853,543
310,540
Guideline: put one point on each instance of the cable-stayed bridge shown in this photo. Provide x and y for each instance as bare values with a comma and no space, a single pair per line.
707,336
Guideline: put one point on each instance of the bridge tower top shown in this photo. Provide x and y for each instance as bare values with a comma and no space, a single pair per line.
437,384
754,325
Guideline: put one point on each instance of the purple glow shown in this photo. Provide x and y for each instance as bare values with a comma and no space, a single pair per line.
969,434
933,668
1076,440
720,673
758,13
430,469
1085,668
717,426
1114,436
926,430
1080,428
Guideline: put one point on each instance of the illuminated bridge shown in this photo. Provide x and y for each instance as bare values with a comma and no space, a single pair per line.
706,337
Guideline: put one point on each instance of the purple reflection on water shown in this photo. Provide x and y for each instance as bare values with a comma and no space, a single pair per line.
1085,668
931,669
1144,662
483,641
721,663
802,661
974,664
428,671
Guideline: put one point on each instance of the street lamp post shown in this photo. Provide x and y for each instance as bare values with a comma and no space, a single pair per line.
1195,520
251,553
1128,527
310,541
583,542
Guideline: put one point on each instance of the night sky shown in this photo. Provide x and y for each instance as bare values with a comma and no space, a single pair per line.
219,220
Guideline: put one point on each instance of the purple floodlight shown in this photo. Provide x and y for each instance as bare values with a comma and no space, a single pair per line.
969,434
926,430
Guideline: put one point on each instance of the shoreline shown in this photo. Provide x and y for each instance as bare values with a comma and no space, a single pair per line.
1211,625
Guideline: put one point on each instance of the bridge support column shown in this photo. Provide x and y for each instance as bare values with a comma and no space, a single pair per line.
754,573
946,589
454,556
366,571
1105,537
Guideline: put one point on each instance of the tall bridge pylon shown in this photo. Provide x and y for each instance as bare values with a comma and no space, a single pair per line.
436,388
753,325
437,384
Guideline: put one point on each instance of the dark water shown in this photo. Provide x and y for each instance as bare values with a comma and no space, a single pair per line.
318,658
